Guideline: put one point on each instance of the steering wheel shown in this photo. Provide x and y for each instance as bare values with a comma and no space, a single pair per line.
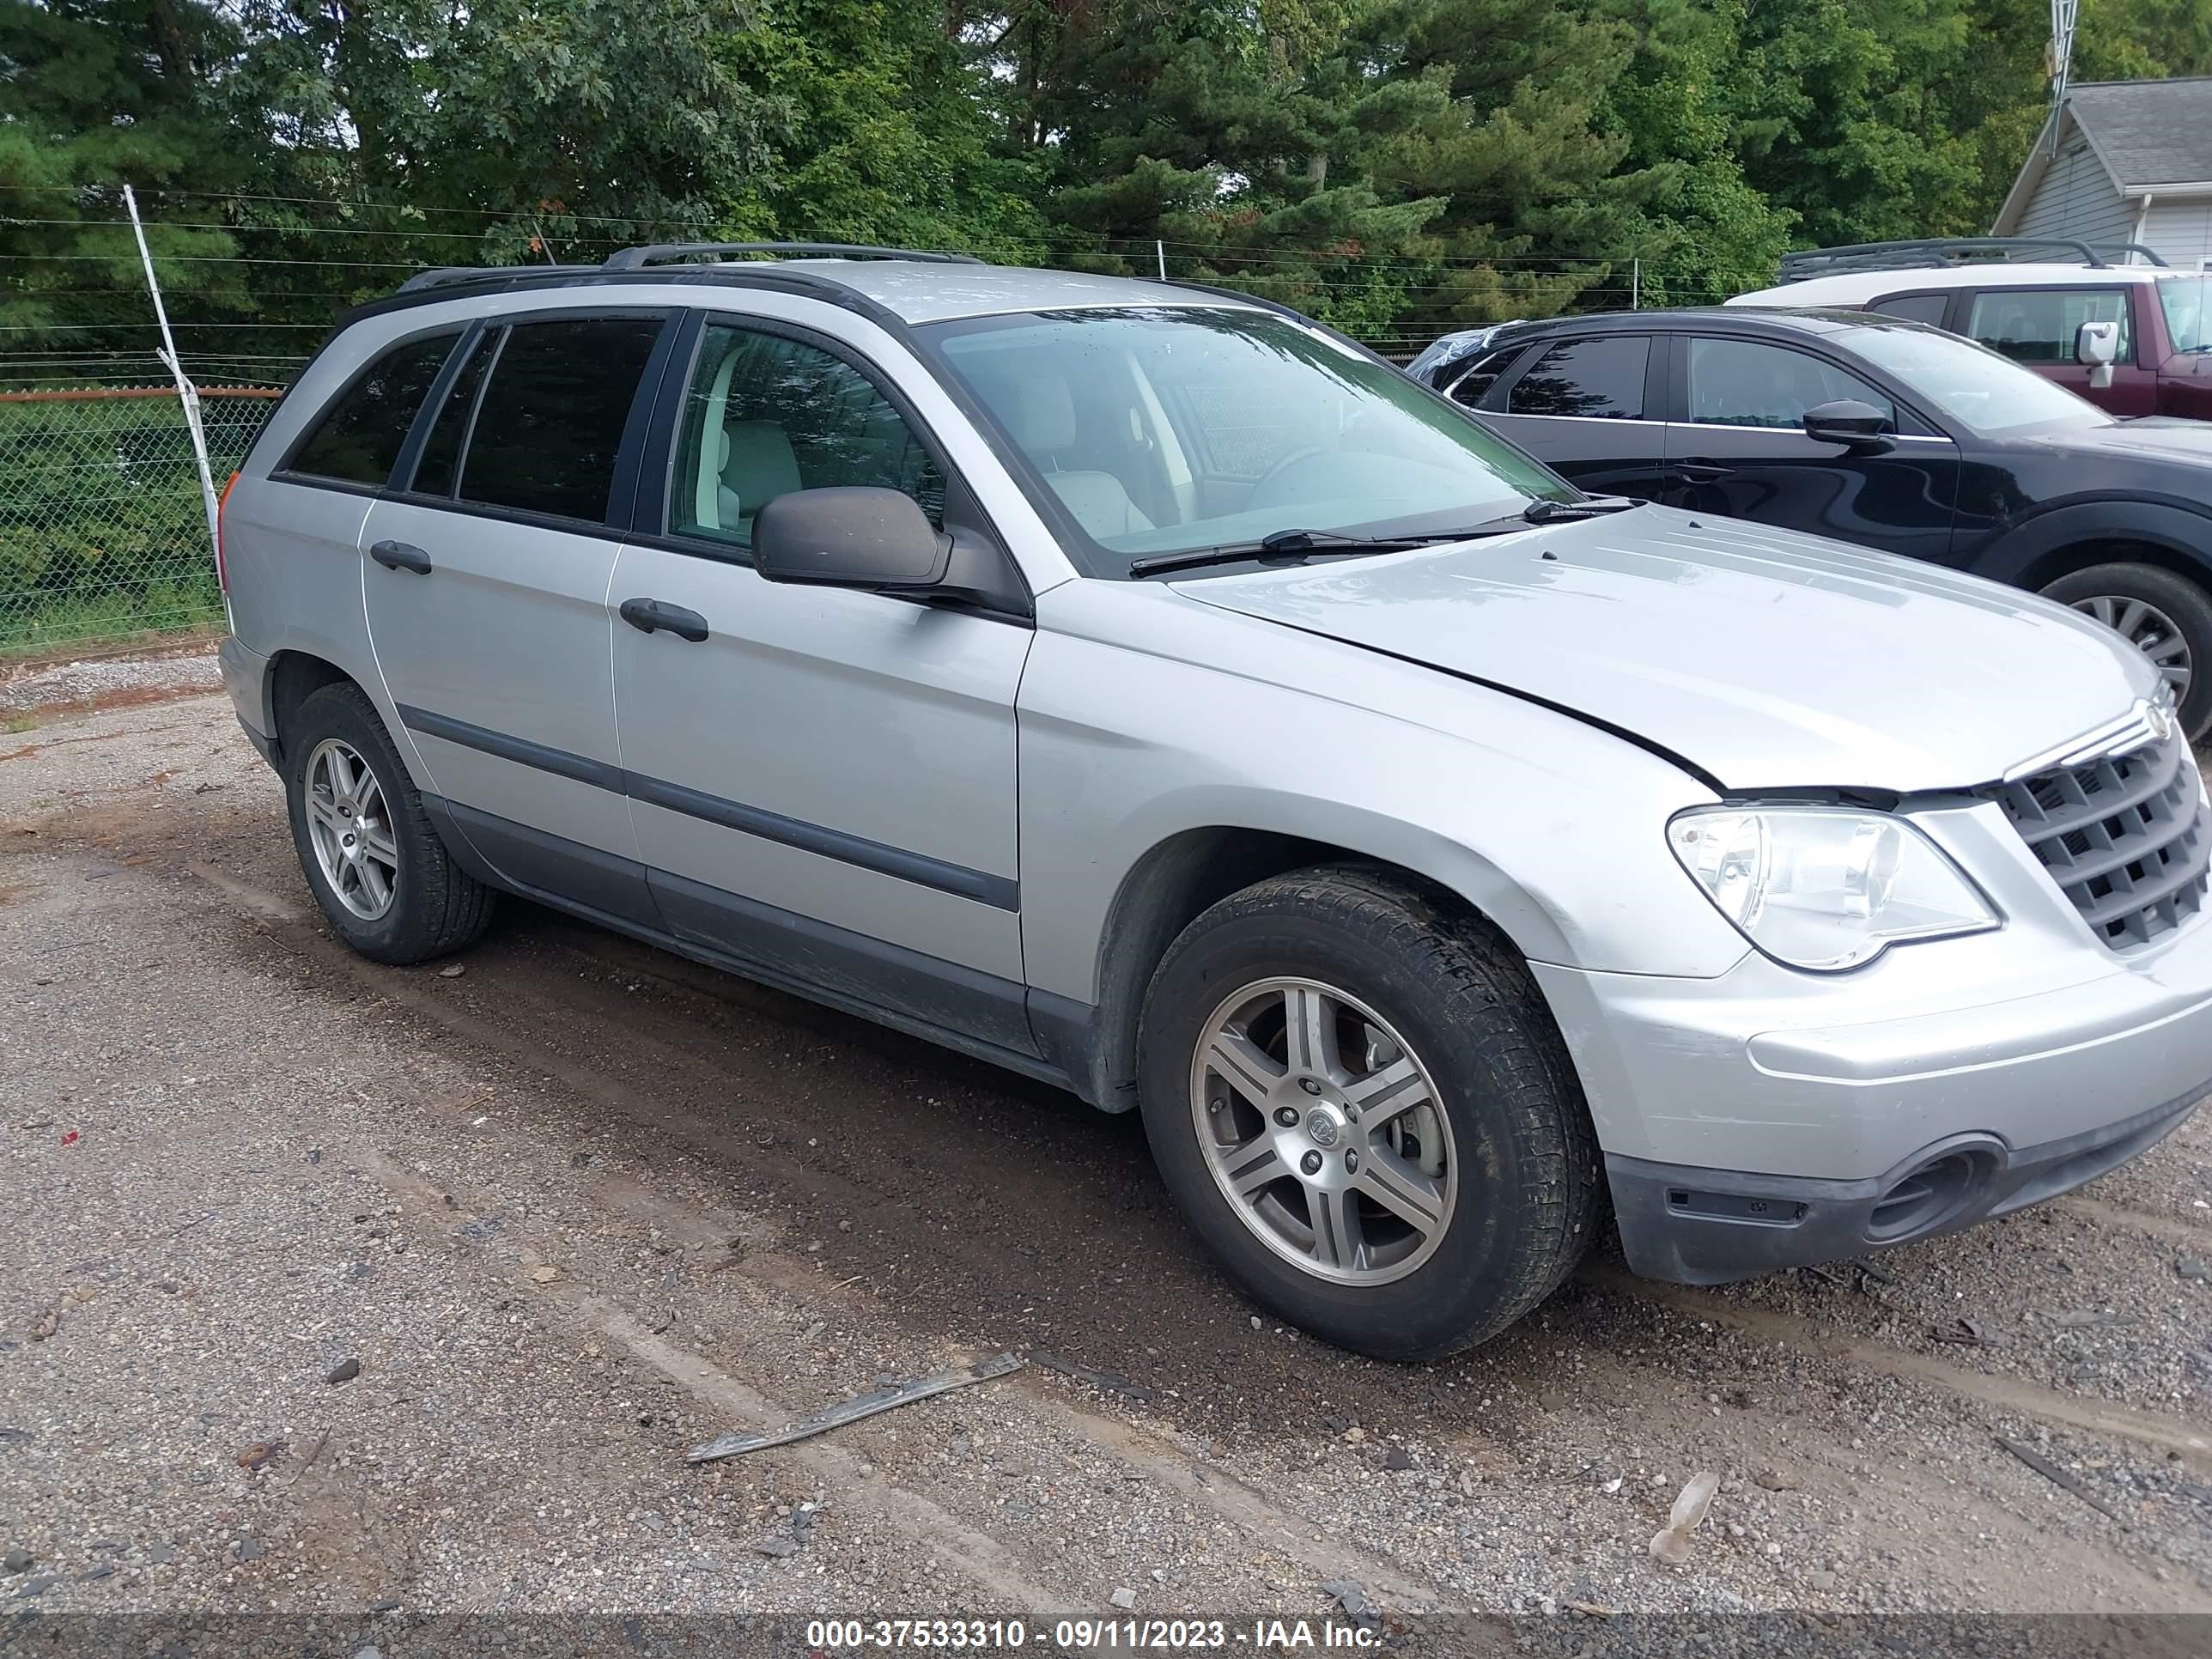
1297,457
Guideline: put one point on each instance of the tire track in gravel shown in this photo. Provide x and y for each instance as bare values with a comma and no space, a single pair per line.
676,1075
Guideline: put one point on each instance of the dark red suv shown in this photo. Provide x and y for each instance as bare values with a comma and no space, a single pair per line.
2032,309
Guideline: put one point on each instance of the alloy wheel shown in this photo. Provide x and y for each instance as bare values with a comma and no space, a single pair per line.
2150,630
350,824
1324,1131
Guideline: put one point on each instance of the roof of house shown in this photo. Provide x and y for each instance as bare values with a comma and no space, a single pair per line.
2152,138
2147,132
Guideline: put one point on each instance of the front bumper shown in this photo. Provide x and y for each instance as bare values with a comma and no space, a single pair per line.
1695,1227
1767,1117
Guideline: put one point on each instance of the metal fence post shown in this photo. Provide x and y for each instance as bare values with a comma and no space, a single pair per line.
1636,285
187,393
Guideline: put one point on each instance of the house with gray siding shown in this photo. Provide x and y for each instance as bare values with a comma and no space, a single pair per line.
2132,163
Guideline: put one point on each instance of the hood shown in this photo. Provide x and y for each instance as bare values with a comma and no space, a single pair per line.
2150,437
1767,658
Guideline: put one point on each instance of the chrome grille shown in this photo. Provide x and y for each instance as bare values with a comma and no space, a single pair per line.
2124,835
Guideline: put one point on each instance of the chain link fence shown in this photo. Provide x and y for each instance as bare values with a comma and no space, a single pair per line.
103,534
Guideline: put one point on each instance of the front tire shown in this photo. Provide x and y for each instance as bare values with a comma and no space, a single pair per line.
1358,1099
2165,617
384,879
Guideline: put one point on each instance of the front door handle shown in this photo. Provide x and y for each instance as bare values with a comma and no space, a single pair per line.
401,555
647,614
1701,471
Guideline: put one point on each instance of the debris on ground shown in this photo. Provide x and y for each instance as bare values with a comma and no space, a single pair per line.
18,1560
2057,1476
1775,1480
2082,1318
880,1399
545,1275
2193,1266
453,971
344,1371
1106,1381
1670,1545
1354,1600
1124,1598
778,1547
256,1456
46,1323
1969,1332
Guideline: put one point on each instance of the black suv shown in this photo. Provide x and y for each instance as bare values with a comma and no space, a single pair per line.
1878,431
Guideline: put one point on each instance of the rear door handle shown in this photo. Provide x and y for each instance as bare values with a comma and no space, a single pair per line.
647,614
1701,471
401,555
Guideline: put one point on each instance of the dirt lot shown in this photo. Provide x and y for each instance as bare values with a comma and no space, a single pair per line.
573,1206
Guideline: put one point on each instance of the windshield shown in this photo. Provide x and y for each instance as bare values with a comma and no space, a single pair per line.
1168,429
2188,302
1989,395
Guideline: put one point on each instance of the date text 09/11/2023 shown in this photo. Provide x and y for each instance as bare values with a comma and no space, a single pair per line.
1129,1635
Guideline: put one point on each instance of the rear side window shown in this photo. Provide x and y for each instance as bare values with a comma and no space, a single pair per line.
550,423
359,439
1478,380
441,461
1592,379
1914,307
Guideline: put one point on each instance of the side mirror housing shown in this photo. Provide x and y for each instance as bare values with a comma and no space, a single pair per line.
2098,344
1847,421
848,535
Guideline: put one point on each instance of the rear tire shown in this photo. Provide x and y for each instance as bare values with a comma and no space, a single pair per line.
2168,617
1405,1232
384,879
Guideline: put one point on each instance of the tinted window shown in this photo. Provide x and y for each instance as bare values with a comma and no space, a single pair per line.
1977,388
551,418
441,450
358,439
1927,309
1746,383
2039,326
1596,380
767,415
1483,376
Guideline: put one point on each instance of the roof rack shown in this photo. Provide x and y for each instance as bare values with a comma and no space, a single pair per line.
637,259
440,275
1952,250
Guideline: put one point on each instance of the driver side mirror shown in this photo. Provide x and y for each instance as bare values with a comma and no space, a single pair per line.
2098,344
848,535
1847,421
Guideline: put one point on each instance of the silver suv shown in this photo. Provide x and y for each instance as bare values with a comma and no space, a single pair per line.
1148,690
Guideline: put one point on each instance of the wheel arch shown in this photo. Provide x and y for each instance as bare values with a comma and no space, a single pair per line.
2070,538
293,677
1176,881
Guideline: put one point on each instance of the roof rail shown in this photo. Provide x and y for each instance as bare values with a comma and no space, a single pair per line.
1951,250
438,276
637,259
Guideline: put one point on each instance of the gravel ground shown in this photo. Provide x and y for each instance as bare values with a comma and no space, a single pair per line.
32,691
555,1218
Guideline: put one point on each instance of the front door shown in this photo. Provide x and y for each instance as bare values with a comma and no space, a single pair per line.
822,779
1742,453
487,587
2037,327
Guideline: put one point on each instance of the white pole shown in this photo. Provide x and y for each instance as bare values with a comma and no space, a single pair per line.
187,393
1636,285
1160,252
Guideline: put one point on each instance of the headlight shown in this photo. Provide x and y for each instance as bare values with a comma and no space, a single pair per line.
1824,888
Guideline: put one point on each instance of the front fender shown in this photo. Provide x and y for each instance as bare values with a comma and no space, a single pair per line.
1551,827
2034,552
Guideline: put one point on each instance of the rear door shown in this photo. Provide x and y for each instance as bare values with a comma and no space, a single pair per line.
1741,451
2035,327
487,583
1587,407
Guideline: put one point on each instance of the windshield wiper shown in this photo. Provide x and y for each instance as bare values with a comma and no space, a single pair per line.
1590,506
1291,544
1295,545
